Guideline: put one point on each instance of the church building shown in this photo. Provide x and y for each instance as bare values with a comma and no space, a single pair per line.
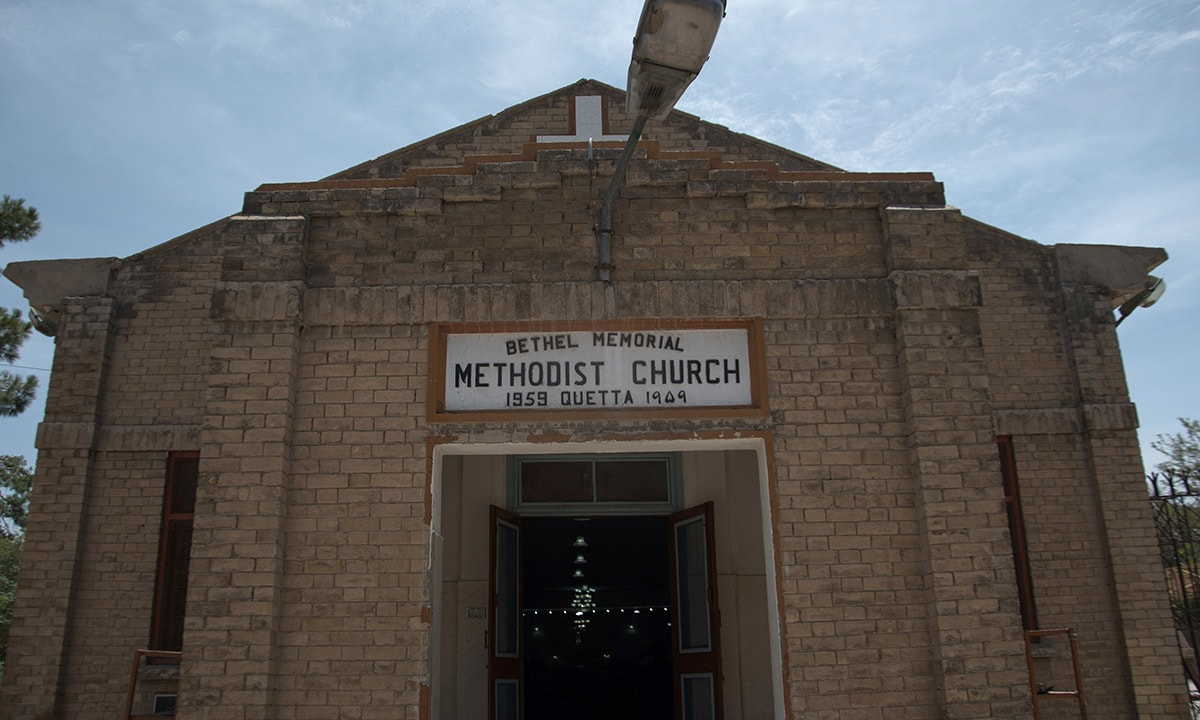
401,444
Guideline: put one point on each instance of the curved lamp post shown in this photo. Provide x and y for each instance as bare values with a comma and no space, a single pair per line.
672,44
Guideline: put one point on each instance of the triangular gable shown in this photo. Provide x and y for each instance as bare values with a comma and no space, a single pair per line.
550,120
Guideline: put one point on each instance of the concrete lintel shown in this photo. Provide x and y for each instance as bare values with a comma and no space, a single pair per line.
47,282
147,438
1040,421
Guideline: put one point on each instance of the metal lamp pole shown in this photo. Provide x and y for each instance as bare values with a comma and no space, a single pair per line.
672,44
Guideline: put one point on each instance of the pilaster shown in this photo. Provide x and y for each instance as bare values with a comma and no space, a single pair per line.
1110,433
66,442
975,628
236,571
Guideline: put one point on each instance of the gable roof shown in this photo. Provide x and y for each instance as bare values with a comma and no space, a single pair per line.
507,131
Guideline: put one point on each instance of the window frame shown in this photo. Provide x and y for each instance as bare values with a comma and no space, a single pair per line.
631,507
1017,534
163,625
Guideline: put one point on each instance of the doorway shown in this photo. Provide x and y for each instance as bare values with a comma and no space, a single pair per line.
597,620
570,656
485,660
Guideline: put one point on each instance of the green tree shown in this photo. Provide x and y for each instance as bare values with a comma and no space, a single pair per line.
1182,449
16,481
17,224
16,392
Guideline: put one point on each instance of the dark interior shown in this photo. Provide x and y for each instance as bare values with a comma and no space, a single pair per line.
596,646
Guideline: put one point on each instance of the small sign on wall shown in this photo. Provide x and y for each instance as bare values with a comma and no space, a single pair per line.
656,367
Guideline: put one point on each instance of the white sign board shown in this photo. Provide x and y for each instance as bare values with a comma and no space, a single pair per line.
597,369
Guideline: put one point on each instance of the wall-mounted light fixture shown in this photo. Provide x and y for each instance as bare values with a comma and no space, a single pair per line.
1155,288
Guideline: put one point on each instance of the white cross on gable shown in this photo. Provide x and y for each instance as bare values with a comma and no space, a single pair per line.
589,123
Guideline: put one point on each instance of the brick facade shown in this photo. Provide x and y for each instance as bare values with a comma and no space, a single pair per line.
289,345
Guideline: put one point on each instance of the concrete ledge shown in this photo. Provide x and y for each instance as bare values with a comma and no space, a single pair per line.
117,438
1118,416
589,300
930,289
271,223
65,436
46,283
1118,269
1045,421
255,301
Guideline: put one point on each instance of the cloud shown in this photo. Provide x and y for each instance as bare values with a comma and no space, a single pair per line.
737,112
1138,44
1156,212
319,14
14,19
537,48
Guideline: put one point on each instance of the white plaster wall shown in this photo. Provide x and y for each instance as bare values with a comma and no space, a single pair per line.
732,484
470,485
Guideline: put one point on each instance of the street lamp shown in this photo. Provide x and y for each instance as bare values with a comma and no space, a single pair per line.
672,43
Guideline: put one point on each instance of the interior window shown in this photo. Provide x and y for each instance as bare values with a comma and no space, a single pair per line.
543,482
596,482
631,481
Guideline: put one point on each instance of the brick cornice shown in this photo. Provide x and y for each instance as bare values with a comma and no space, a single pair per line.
529,152
579,300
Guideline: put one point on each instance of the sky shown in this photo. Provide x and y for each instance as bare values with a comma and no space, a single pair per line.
127,123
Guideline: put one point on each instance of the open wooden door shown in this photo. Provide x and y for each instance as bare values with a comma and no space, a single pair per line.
696,622
504,618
